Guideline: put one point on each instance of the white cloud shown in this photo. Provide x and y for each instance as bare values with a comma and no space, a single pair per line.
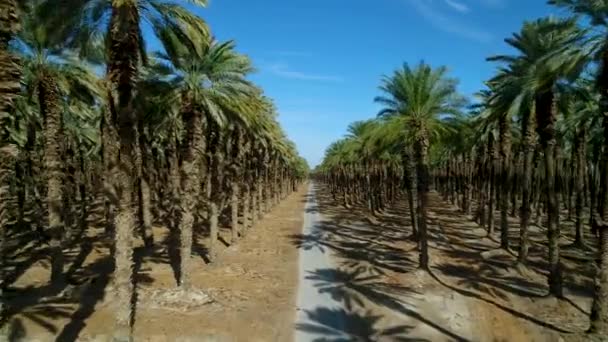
283,70
447,24
458,6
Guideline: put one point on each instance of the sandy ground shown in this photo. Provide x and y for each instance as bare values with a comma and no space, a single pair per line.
251,288
349,286
471,294
357,276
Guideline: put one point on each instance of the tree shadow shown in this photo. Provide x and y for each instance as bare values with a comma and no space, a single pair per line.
42,305
92,294
339,325
355,288
505,308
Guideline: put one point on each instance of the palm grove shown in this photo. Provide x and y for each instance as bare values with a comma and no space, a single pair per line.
534,145
89,116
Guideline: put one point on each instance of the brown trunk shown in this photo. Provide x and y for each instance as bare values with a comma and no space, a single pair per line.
599,311
422,170
144,204
192,118
7,160
48,99
254,200
262,187
174,183
525,212
213,229
234,206
492,184
579,182
545,118
109,141
505,163
409,167
122,71
246,209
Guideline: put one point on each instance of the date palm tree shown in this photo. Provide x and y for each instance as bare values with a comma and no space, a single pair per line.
10,73
597,14
121,21
424,96
497,110
209,90
51,74
549,50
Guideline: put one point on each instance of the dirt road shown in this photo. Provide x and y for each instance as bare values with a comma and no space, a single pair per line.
310,300
348,286
359,281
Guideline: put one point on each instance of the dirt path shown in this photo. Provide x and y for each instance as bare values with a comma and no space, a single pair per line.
313,304
350,291
471,294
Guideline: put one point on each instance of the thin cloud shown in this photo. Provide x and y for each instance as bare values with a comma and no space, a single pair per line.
283,70
443,22
458,6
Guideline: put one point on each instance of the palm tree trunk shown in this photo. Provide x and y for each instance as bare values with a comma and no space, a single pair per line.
262,189
213,229
124,223
69,191
174,183
545,118
593,181
84,194
409,167
579,180
10,75
484,182
422,170
557,159
109,143
48,99
7,159
192,118
515,179
525,212
254,199
144,204
246,209
505,160
234,206
122,71
492,185
599,310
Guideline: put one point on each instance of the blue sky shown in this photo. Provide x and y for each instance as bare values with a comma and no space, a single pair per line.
321,60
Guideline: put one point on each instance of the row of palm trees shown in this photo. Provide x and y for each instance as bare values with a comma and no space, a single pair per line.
178,136
521,148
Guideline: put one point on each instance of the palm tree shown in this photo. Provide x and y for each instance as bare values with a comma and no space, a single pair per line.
597,13
10,73
9,63
424,96
207,88
578,105
391,136
123,20
498,111
50,77
548,52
